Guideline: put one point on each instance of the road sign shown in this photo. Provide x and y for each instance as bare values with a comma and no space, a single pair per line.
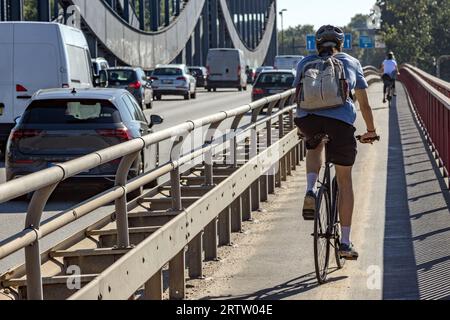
365,42
348,41
311,42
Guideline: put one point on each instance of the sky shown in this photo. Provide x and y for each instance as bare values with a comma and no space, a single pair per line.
320,12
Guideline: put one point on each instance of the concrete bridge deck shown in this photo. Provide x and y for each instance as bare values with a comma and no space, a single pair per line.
401,228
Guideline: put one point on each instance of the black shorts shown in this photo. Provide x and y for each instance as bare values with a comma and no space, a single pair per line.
341,146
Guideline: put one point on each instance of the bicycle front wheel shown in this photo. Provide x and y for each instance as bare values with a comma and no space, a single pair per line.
321,235
340,262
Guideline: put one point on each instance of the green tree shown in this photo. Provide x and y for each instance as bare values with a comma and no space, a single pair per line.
418,31
30,12
294,40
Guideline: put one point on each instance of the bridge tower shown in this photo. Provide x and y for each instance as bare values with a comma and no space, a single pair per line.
220,24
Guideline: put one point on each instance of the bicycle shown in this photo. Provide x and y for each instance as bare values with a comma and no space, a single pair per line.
390,91
327,228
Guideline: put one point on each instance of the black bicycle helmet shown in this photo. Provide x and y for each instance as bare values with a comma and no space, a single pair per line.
390,55
328,36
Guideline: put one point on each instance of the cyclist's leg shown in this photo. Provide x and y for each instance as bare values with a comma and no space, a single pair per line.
346,196
386,83
342,152
310,126
346,206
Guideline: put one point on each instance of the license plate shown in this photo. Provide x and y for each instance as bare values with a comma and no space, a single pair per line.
167,81
275,91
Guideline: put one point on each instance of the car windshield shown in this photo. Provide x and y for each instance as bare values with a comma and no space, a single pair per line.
121,77
71,112
168,72
260,69
284,80
196,72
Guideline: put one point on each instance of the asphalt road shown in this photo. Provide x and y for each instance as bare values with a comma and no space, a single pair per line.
174,110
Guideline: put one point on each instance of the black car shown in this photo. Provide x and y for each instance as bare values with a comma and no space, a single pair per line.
135,81
200,74
272,82
261,69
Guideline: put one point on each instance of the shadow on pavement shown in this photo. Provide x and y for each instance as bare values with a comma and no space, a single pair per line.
285,290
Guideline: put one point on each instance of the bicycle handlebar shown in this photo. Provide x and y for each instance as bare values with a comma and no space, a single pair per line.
371,140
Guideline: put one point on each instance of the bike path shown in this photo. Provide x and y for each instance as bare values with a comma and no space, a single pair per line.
401,228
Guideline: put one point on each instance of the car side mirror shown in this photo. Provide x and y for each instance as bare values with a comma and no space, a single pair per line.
17,120
155,120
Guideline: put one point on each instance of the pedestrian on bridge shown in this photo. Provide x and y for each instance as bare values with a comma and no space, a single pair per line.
324,84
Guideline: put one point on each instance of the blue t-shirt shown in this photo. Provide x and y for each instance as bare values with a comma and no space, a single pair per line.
356,80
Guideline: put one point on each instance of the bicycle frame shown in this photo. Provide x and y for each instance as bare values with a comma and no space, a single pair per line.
328,185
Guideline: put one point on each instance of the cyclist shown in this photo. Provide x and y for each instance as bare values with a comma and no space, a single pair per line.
390,71
337,123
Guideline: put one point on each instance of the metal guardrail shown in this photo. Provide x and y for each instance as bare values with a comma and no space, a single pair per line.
430,99
43,183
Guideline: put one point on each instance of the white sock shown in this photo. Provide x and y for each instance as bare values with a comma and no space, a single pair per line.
346,235
312,180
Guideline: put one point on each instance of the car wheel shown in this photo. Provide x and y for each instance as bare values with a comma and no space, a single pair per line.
187,96
157,97
240,88
149,106
194,95
215,89
209,89
245,88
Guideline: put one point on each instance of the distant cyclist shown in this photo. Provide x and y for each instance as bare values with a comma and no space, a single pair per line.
389,69
336,121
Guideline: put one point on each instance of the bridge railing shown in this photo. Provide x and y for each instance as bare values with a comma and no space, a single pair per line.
430,98
280,110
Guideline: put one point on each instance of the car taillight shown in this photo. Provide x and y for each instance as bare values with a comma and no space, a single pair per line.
154,78
258,91
135,85
23,161
208,71
181,79
23,133
239,70
122,134
20,88
65,85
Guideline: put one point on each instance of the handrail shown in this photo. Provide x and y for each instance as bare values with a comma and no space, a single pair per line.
437,83
431,103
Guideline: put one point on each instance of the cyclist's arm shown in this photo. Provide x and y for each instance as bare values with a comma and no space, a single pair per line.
366,110
382,68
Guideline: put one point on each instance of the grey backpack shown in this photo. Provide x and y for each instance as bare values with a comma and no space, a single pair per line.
323,84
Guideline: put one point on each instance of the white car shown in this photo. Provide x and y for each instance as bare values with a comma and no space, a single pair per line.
173,80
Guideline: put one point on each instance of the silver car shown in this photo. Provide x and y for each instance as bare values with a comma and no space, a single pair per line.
173,80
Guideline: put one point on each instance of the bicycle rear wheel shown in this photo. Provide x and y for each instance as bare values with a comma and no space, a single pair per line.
321,236
340,262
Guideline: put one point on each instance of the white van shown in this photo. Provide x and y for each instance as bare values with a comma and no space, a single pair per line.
226,69
34,56
287,62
